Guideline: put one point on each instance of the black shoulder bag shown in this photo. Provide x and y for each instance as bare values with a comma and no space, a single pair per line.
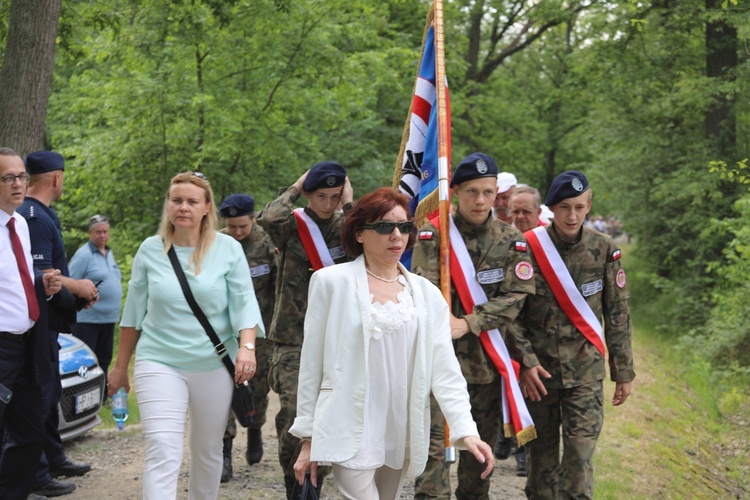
242,397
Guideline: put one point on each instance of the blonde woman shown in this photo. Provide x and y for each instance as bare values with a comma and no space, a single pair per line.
177,370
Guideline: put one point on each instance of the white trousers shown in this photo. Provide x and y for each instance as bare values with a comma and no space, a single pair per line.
164,396
382,483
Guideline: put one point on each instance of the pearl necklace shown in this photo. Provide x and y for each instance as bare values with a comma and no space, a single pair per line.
381,278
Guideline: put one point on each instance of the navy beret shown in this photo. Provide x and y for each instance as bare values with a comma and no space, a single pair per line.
566,185
236,205
474,166
326,174
42,162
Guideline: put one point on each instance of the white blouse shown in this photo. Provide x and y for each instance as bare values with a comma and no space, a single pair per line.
388,380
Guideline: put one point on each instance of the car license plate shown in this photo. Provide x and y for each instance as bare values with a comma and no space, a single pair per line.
87,400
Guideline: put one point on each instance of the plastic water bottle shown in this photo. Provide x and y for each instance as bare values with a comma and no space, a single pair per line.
120,407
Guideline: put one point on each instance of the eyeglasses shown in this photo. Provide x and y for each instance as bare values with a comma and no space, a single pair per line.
9,180
387,227
200,176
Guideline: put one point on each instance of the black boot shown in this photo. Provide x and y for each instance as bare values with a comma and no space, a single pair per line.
503,448
254,446
521,462
226,470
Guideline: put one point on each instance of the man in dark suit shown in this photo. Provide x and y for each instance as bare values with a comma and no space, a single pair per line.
25,356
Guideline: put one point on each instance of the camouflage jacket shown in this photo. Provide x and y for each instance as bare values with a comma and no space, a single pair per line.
293,266
261,257
493,250
544,335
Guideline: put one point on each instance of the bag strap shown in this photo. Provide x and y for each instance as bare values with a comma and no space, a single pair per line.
219,346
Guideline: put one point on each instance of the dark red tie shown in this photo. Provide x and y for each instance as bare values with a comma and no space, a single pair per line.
28,285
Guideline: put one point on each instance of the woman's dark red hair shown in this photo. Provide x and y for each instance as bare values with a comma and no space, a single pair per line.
371,208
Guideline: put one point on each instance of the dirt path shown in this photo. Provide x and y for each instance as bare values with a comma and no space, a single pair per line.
117,461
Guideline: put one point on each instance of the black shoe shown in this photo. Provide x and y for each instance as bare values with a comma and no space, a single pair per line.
254,452
53,489
226,468
503,448
70,468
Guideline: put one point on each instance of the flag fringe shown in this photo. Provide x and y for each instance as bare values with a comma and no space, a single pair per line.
426,208
526,435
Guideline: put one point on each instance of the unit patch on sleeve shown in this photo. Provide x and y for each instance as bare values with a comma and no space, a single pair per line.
620,279
426,235
524,270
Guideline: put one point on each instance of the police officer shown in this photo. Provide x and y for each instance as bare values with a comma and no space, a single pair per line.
325,186
562,367
496,250
238,212
47,171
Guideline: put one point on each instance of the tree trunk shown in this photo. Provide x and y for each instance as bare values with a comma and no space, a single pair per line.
721,60
27,72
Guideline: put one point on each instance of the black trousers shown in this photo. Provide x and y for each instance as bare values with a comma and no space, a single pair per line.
22,424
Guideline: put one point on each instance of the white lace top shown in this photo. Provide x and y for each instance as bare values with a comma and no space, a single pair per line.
390,365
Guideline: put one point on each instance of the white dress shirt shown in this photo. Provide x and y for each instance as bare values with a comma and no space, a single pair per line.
14,308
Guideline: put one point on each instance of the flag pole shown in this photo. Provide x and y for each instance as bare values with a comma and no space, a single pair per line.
443,181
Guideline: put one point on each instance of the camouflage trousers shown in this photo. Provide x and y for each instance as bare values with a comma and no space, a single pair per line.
259,384
434,482
580,413
283,378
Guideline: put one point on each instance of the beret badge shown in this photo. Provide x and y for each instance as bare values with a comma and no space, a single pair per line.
481,166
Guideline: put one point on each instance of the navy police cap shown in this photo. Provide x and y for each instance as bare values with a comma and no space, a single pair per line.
237,205
41,162
474,166
326,174
566,185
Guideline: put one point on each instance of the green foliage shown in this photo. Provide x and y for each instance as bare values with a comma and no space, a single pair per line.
251,93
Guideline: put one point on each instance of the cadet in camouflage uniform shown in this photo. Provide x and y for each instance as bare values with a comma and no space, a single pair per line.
325,185
238,211
496,249
562,371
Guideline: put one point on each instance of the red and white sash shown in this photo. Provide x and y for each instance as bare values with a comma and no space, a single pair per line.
312,239
516,417
563,287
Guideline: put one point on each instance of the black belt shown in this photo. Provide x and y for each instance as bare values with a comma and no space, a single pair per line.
15,336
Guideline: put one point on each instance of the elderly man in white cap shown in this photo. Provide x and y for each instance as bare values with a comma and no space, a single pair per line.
506,184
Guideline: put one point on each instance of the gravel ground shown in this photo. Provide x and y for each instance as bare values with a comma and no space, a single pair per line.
117,460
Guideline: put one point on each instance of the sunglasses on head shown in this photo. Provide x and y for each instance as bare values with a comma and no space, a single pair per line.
387,227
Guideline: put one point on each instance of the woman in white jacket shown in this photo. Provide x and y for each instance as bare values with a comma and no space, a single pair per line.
377,341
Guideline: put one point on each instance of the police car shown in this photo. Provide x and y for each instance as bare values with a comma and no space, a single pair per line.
82,388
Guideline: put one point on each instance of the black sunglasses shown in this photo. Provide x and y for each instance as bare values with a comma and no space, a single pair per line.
387,227
200,175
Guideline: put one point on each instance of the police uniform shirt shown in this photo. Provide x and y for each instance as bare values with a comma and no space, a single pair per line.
48,250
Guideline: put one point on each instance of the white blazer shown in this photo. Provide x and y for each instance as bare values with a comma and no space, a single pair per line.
330,396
